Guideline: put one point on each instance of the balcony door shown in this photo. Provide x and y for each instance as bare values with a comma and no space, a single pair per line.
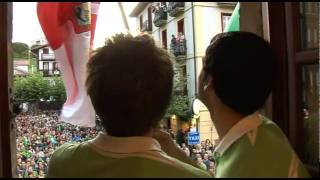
294,34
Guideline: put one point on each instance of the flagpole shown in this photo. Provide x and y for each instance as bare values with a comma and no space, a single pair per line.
124,18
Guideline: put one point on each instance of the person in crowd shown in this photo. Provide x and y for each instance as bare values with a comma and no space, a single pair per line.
185,149
34,145
206,160
211,168
121,84
201,164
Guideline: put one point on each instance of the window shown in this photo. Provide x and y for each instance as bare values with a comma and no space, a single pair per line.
45,66
181,26
141,22
164,39
55,66
149,19
45,50
225,18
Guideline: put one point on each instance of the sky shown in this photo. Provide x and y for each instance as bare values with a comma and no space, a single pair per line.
26,27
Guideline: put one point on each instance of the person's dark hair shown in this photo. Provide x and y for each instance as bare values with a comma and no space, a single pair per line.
243,69
130,82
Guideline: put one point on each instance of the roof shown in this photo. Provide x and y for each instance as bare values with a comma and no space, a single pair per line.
138,9
39,47
18,71
22,62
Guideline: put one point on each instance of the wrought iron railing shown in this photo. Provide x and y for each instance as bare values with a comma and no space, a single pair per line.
179,47
160,16
175,8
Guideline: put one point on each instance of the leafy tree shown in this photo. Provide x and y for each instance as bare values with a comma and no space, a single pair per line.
20,50
31,88
179,106
57,90
35,87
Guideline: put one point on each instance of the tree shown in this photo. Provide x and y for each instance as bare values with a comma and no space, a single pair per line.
20,50
57,90
35,88
179,106
31,88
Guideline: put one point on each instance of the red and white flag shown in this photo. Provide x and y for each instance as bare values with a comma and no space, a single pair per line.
69,28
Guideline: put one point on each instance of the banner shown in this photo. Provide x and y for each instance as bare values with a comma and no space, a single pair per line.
69,28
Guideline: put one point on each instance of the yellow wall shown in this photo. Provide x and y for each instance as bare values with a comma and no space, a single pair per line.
207,129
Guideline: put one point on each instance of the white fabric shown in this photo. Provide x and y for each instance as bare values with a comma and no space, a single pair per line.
79,112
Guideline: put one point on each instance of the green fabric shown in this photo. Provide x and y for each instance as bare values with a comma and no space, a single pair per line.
234,22
270,155
80,160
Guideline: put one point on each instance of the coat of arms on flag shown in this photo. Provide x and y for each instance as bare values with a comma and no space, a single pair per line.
83,14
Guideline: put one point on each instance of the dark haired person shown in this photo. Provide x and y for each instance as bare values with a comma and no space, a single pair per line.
130,84
234,84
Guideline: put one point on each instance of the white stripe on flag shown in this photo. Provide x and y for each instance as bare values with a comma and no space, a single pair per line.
94,8
80,110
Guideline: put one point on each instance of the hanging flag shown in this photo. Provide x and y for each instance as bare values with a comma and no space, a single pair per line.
69,28
234,22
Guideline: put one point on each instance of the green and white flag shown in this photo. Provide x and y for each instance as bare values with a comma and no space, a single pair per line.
234,22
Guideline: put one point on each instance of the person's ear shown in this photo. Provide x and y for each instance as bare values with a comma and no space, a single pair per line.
207,83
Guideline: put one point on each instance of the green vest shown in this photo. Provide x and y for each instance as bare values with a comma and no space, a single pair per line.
256,147
107,156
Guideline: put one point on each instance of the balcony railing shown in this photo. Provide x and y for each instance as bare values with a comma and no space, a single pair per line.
175,8
160,17
146,26
51,72
49,56
227,3
178,48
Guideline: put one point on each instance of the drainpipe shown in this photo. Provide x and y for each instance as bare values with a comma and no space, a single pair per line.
194,50
124,18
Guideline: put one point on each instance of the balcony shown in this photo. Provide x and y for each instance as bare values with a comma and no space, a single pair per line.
178,48
146,26
175,8
49,56
51,72
226,3
160,17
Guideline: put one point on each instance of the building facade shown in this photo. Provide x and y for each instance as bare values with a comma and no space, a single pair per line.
185,29
21,67
46,62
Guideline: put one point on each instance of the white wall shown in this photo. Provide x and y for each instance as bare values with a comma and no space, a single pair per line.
144,14
50,64
207,21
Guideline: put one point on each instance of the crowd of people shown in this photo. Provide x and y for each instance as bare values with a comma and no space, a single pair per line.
201,153
38,135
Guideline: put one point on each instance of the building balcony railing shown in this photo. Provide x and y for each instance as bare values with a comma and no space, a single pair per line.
146,26
51,72
227,3
160,17
179,48
175,8
49,56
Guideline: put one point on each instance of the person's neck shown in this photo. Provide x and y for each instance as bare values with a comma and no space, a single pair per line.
224,118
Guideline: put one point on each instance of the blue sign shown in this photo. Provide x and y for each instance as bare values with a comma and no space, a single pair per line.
193,138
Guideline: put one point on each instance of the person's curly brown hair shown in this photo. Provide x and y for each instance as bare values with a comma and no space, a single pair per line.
130,82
